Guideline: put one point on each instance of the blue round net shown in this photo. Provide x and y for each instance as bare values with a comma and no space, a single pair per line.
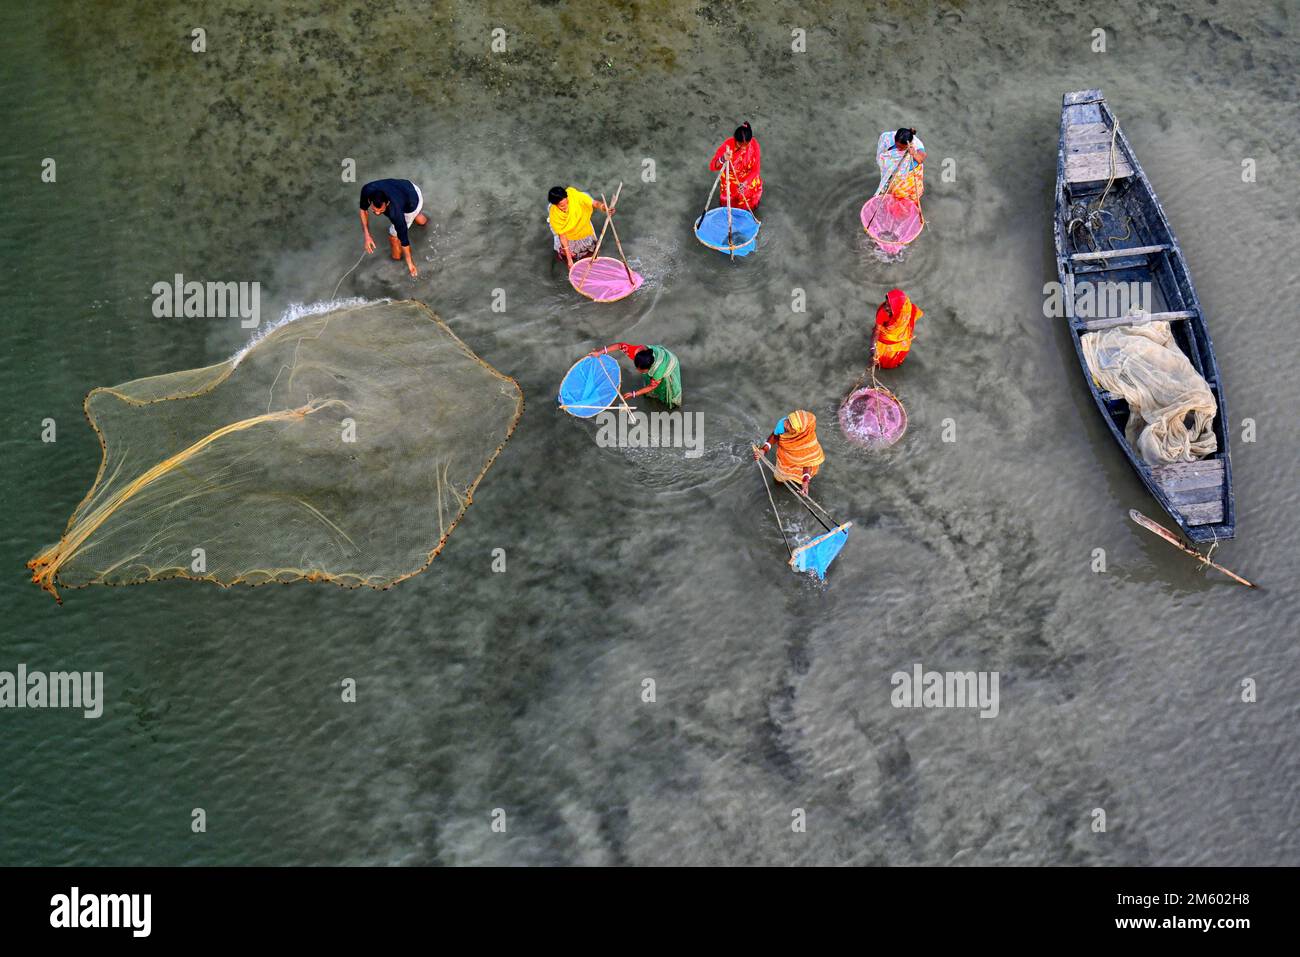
590,387
712,231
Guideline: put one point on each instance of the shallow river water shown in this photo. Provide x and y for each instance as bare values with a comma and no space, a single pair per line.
522,690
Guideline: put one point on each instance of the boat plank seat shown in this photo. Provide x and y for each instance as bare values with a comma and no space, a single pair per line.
1095,167
1202,513
1095,325
1088,147
1086,133
1194,488
1083,138
1090,270
1122,252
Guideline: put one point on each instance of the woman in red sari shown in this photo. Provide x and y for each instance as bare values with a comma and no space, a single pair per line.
742,186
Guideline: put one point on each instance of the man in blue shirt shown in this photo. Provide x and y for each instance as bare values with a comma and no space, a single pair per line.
402,202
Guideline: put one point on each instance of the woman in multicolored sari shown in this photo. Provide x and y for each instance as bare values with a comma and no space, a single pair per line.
903,152
891,340
659,369
742,186
570,220
798,453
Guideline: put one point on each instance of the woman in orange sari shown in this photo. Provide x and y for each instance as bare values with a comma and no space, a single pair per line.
891,340
798,453
742,185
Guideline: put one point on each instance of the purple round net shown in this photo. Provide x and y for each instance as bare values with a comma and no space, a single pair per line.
891,222
873,417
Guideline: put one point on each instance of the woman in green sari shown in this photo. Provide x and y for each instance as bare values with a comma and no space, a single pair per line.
659,369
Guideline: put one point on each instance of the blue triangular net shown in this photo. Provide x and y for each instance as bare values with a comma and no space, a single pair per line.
712,231
590,387
818,554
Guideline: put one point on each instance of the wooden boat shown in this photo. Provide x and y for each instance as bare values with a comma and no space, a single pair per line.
1130,241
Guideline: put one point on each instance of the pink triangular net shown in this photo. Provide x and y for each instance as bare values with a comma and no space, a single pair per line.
603,279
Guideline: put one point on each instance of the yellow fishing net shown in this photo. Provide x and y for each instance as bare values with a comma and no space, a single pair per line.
340,447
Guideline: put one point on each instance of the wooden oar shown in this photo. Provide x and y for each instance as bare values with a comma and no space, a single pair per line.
1172,539
773,501
600,239
617,242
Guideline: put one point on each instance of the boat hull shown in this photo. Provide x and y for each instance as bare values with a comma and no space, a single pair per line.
1130,245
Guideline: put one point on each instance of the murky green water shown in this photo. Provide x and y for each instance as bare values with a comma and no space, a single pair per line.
522,690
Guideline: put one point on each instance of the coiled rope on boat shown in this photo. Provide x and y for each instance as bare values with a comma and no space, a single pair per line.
1089,215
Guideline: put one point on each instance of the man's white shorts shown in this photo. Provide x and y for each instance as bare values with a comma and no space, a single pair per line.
410,217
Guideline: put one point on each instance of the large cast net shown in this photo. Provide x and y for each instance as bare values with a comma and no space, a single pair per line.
342,447
1171,407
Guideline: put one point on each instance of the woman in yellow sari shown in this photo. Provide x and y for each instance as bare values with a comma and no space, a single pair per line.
570,220
798,453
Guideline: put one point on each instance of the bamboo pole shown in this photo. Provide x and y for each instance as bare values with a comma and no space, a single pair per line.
726,168
881,190
617,242
709,198
631,413
775,513
806,500
600,239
